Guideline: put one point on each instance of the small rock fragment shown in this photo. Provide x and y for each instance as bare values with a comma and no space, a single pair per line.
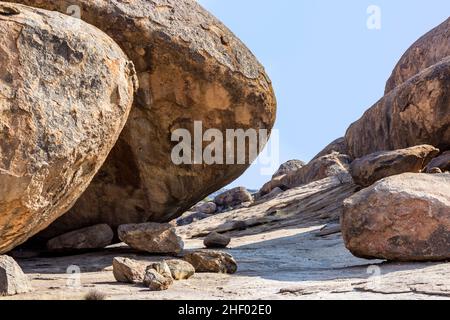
128,271
212,261
180,269
151,237
216,240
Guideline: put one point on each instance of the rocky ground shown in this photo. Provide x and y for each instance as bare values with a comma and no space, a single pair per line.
296,254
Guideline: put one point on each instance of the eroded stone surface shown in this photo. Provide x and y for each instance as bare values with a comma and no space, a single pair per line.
332,164
66,90
95,237
151,237
425,52
376,166
12,279
188,62
212,261
128,270
416,112
402,218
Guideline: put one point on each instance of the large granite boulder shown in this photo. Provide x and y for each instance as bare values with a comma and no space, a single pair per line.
191,68
425,52
66,93
376,166
403,218
416,112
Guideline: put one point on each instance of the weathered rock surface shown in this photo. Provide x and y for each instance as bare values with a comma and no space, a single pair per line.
233,198
402,218
128,271
95,237
212,261
338,145
190,217
376,166
329,165
318,201
191,64
442,162
156,281
151,237
180,269
216,240
416,112
425,52
207,208
66,93
291,165
12,279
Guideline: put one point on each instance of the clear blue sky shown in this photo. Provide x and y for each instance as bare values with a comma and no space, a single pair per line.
327,67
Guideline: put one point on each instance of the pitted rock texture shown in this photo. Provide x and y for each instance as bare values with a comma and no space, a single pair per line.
66,90
425,52
190,67
401,218
415,113
376,166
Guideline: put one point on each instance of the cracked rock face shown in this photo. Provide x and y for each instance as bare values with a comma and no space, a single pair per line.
190,68
66,90
401,218
416,112
425,52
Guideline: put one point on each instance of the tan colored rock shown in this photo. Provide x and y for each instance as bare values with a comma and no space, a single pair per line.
216,240
338,145
128,271
425,52
233,198
329,165
162,268
155,281
442,162
12,279
212,262
180,269
190,67
402,218
95,237
151,237
415,113
376,166
66,90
